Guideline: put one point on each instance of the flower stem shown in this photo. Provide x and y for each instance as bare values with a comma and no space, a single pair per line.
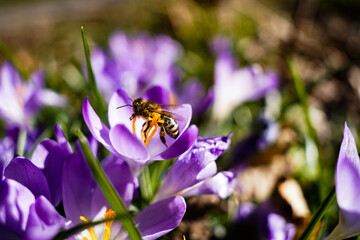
21,142
108,189
318,215
145,184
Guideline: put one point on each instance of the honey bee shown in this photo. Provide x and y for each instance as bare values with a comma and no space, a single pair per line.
155,116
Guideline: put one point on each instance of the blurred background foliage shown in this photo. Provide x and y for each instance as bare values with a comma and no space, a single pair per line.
316,42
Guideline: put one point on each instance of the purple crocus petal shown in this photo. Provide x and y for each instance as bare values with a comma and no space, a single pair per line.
15,202
224,68
7,150
193,92
279,229
51,98
62,140
119,45
264,82
347,179
97,128
121,115
123,181
260,222
10,106
25,172
44,221
194,166
233,87
77,188
167,50
101,65
157,94
49,156
161,217
127,144
184,142
222,184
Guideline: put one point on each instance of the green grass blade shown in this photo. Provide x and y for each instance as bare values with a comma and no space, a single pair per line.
108,189
318,215
99,103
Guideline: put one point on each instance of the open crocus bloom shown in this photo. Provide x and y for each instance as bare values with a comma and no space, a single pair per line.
81,194
135,63
234,86
20,100
42,175
120,139
347,180
153,221
83,198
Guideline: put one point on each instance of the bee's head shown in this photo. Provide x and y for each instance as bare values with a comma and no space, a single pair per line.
136,104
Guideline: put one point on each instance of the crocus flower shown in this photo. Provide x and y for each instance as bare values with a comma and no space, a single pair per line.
120,139
234,86
83,198
261,222
347,179
135,63
191,174
81,194
21,100
25,217
42,175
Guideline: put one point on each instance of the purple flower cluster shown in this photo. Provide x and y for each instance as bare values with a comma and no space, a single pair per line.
21,100
135,64
57,177
234,86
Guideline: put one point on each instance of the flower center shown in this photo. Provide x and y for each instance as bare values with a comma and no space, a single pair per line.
109,214
149,128
20,91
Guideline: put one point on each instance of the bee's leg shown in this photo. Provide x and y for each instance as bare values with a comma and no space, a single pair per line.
152,133
162,135
145,130
133,124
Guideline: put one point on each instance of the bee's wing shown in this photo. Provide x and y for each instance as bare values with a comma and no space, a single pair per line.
169,113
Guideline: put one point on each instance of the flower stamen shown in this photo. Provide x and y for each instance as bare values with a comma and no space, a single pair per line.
91,229
109,214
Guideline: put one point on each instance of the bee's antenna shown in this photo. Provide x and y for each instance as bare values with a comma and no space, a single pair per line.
130,99
126,105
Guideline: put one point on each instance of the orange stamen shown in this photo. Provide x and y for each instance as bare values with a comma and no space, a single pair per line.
152,134
91,229
109,214
133,125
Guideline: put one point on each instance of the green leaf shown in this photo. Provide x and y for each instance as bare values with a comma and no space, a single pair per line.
108,189
318,215
99,103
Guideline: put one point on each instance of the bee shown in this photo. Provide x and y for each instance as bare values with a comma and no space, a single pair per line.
155,116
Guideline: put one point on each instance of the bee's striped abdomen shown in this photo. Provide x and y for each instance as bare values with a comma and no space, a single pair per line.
171,127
